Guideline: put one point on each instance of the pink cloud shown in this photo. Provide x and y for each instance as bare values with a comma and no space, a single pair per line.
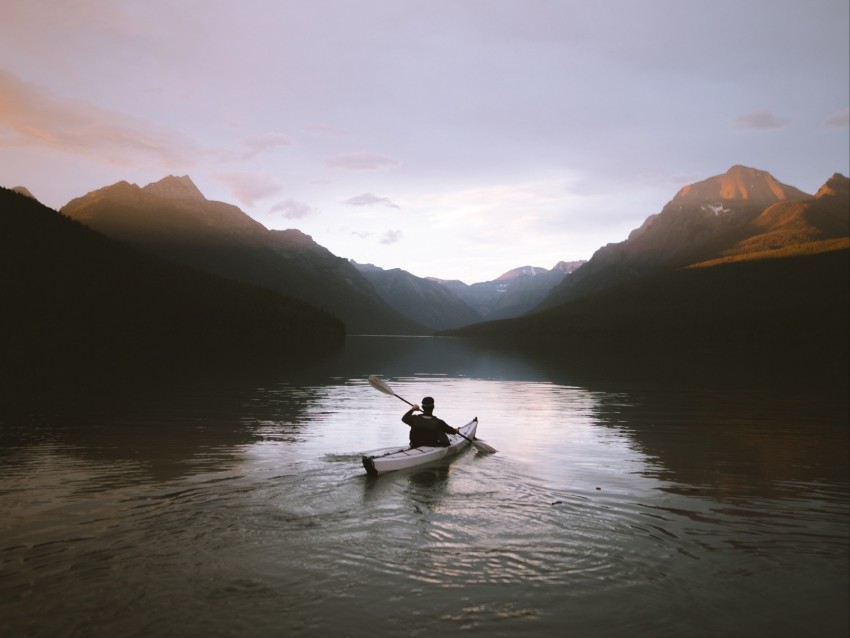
760,120
266,143
249,187
292,209
362,161
325,129
368,199
31,116
841,119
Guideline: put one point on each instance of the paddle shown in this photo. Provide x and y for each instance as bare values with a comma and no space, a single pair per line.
381,385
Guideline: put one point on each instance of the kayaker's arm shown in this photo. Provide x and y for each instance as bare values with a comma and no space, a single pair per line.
447,428
409,413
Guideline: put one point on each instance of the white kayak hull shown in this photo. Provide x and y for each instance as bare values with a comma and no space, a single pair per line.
415,456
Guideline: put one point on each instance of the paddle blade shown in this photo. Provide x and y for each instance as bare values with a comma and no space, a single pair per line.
483,447
380,385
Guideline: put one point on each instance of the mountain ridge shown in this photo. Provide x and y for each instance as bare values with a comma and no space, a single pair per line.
77,302
171,220
739,183
774,284
742,215
699,222
421,299
444,304
175,187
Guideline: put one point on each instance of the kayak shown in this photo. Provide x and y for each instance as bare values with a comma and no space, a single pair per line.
415,456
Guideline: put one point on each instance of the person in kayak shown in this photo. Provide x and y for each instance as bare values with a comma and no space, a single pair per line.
425,428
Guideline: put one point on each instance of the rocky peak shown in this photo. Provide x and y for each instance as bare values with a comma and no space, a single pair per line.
738,184
23,191
836,186
371,268
173,187
522,271
568,267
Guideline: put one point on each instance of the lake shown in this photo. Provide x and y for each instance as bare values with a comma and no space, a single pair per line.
623,501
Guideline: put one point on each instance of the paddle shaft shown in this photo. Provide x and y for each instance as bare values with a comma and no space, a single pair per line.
381,386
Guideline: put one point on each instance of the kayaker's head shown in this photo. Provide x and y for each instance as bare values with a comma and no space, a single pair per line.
427,405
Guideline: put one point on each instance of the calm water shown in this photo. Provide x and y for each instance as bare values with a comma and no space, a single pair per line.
619,504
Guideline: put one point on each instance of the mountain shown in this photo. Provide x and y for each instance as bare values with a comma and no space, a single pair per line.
423,300
23,191
443,305
74,299
701,222
798,226
298,247
173,187
764,274
514,293
172,219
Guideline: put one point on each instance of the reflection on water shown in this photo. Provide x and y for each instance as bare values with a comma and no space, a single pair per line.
616,505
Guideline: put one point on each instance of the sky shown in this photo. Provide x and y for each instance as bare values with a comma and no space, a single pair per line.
456,139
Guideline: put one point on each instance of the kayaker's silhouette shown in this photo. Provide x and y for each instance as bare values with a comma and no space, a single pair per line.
425,428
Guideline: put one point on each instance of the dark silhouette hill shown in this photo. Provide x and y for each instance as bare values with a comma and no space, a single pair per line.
23,190
787,304
75,300
173,220
771,280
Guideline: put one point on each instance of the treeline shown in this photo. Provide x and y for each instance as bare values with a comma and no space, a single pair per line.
793,310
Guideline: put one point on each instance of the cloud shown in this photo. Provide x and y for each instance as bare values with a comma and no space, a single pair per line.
325,129
841,119
33,117
249,187
760,120
362,161
292,209
253,146
265,143
392,236
368,199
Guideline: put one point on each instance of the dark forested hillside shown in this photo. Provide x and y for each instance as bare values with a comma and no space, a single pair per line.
793,307
173,220
729,278
73,298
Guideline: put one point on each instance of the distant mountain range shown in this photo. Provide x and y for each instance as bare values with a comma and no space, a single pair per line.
172,219
734,262
442,304
736,259
514,293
